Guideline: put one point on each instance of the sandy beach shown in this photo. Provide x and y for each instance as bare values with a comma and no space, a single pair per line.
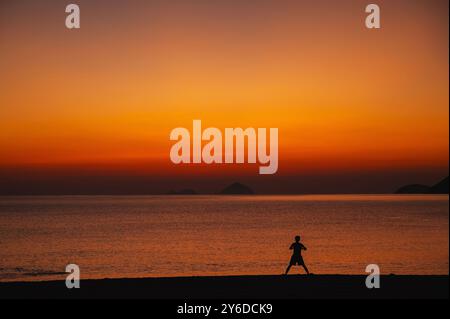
236,287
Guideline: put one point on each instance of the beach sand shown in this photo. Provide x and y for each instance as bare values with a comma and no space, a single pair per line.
237,287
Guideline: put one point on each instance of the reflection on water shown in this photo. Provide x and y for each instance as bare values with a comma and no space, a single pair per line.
141,236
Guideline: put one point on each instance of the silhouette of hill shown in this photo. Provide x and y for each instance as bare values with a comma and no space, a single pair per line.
186,191
439,188
413,189
237,189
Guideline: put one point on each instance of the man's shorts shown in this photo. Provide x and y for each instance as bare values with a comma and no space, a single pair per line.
297,260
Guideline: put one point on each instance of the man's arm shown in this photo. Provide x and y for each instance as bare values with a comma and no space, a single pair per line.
304,247
292,247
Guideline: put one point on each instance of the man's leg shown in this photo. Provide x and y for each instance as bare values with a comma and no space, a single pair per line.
288,268
306,268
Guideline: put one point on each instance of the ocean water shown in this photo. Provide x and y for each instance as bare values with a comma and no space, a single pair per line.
153,236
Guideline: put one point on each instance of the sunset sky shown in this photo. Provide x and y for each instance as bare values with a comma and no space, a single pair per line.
91,110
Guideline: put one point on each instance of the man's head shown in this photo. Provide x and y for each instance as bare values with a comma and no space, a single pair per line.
297,238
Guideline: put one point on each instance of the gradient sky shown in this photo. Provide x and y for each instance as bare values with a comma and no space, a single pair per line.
90,110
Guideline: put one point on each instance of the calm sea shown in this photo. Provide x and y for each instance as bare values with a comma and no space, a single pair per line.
152,236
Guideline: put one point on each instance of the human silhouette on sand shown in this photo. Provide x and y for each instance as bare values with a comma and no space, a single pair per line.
297,258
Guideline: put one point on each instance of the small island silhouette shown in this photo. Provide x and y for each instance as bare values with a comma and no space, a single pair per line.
232,189
439,188
186,191
237,189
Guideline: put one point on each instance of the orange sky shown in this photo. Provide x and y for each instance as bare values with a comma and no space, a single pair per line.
106,96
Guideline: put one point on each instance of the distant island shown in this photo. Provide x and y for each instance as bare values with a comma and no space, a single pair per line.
241,189
439,188
237,189
232,189
186,191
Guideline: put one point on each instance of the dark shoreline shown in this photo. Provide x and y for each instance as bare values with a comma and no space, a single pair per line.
237,287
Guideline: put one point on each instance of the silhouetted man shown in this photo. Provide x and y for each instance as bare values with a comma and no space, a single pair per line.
297,258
